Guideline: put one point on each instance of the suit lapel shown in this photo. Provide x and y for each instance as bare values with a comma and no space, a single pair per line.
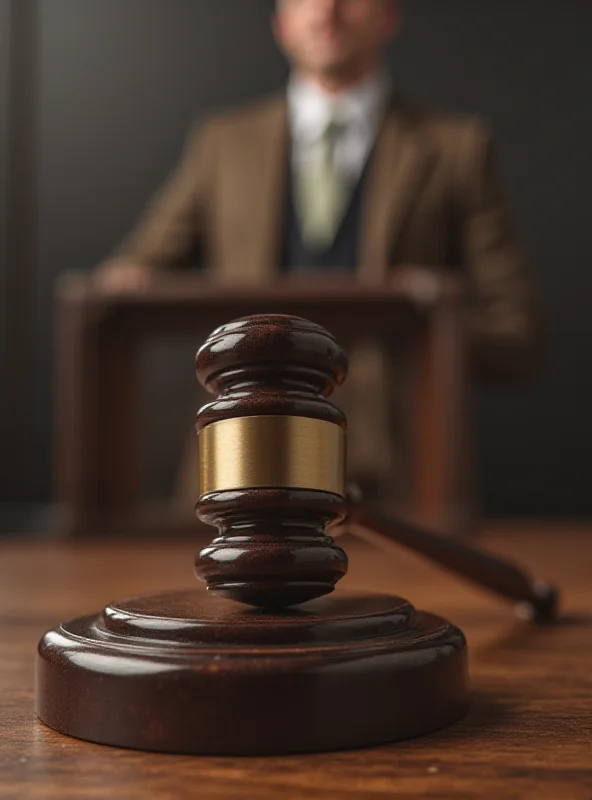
264,190
399,164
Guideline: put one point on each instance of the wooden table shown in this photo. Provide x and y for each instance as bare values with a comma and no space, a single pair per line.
528,735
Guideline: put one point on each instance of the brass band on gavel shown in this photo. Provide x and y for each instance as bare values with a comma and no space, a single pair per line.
273,452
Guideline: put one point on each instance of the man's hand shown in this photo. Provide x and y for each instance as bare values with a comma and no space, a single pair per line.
124,276
423,286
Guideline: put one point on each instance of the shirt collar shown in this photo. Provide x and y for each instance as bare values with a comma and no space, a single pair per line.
311,108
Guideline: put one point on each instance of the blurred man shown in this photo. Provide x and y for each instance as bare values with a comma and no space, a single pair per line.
339,174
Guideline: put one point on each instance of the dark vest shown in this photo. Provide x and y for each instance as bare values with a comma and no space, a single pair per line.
343,254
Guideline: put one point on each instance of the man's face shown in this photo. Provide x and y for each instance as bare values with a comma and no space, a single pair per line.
334,37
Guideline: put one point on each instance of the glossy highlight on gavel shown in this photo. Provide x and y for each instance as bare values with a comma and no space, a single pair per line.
272,460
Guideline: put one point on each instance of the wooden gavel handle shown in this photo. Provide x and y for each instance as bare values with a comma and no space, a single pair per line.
536,600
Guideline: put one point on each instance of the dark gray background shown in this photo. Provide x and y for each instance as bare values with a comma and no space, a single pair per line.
121,80
4,72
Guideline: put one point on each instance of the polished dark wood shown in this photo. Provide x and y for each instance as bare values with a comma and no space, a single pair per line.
99,343
134,675
271,549
338,672
350,670
527,733
537,600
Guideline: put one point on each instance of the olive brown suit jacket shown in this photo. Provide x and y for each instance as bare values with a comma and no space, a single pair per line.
433,198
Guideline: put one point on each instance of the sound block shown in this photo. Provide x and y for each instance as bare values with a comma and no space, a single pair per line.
188,672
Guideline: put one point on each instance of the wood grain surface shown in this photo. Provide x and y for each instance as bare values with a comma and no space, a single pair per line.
528,735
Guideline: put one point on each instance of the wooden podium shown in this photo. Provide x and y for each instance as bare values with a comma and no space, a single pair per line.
98,343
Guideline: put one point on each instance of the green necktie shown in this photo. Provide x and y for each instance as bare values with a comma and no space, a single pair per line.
321,193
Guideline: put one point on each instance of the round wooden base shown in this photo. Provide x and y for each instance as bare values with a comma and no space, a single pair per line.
191,673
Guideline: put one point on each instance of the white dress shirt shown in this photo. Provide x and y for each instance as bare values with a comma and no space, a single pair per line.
359,110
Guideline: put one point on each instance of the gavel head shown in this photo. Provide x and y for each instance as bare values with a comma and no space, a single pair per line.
272,460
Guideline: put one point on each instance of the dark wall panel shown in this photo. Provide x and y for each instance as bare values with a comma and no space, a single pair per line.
121,82
4,77
4,84
527,67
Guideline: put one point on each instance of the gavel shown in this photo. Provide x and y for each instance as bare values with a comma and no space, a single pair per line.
292,666
272,476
